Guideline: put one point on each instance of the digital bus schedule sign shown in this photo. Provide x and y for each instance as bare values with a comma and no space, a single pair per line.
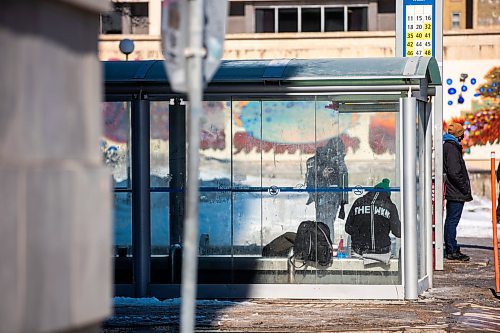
418,28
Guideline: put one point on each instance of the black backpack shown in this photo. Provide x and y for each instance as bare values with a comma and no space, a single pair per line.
313,245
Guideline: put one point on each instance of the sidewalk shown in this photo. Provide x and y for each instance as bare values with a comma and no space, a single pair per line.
460,301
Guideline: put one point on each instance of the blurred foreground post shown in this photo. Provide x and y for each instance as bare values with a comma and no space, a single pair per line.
193,35
194,79
494,221
55,193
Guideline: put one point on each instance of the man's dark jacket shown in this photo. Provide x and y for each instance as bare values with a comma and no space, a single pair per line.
370,220
456,176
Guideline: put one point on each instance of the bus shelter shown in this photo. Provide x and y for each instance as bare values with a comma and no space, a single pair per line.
273,133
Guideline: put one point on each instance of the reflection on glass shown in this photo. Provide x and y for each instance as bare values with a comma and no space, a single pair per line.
215,179
160,233
160,177
115,143
247,180
116,156
123,223
159,144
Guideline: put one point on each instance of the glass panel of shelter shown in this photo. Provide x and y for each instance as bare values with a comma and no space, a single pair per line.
115,149
253,169
369,127
215,179
160,177
267,196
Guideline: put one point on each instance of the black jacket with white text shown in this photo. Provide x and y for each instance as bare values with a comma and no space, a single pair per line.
370,220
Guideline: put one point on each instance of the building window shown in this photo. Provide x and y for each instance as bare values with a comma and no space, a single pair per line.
455,20
311,18
386,6
334,19
357,19
111,23
126,18
236,9
264,20
288,20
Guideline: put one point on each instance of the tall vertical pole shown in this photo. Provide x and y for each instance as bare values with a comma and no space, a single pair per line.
429,249
411,17
410,198
494,221
195,94
438,143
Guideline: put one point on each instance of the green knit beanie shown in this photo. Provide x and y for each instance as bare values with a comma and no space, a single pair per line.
384,184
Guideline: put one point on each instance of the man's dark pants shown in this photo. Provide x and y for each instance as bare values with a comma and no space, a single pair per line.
453,213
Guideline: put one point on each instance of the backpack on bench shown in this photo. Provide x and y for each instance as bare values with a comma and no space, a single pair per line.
313,245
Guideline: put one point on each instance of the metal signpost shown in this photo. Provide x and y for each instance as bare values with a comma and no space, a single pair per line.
418,28
419,32
177,30
190,66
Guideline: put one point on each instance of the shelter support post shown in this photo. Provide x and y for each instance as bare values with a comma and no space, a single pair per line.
427,124
141,224
177,163
438,178
410,198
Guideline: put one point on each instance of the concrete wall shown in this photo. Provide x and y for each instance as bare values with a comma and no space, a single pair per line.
55,194
458,45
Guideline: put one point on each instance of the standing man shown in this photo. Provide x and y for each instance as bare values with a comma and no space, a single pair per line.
458,189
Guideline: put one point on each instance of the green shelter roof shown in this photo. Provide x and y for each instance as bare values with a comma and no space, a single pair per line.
286,73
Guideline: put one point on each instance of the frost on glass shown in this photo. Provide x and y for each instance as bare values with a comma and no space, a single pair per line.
159,177
115,144
116,140
215,179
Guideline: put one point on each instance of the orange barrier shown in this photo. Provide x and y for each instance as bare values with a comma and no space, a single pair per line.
494,220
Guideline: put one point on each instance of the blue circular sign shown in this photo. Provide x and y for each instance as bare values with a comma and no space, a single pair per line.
273,190
358,190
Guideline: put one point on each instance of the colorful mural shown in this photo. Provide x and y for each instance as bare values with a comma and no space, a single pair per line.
286,126
482,121
382,133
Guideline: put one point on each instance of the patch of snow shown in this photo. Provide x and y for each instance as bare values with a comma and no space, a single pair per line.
128,301
476,219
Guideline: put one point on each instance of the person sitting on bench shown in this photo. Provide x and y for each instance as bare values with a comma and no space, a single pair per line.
370,221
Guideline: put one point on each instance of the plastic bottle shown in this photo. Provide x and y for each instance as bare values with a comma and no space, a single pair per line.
341,253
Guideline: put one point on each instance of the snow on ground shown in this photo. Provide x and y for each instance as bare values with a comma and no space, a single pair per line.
476,219
147,301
